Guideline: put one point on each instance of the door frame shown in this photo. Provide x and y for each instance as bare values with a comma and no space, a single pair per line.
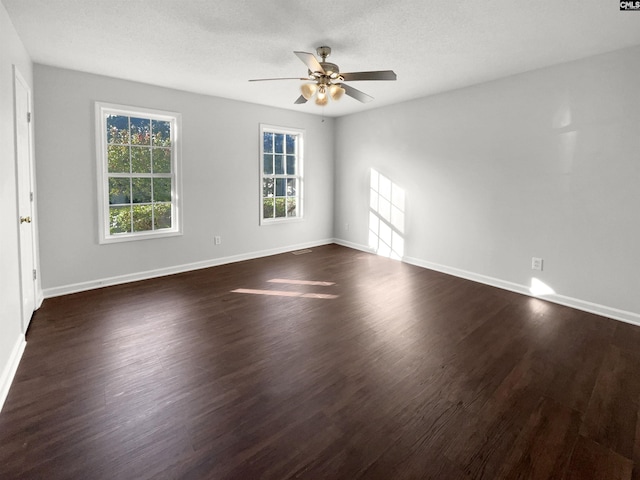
38,294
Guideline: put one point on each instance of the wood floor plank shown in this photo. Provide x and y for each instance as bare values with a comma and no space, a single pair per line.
545,444
383,370
612,413
593,461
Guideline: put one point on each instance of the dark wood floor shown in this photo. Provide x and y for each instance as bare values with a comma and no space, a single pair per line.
390,372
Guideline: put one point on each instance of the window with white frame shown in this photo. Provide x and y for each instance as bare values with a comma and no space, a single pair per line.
138,166
281,153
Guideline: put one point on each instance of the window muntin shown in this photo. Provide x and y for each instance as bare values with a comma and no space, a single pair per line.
138,164
281,152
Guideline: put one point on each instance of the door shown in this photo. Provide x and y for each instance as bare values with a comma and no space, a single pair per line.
22,98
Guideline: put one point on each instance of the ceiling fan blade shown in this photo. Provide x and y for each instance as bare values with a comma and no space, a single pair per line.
300,99
355,93
310,61
377,75
283,78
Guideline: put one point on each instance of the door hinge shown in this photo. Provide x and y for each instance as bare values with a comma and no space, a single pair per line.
31,196
34,274
29,117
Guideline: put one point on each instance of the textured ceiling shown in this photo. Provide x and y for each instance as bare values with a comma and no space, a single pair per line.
214,46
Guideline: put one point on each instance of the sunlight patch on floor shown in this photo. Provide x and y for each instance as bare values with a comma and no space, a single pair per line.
282,293
300,282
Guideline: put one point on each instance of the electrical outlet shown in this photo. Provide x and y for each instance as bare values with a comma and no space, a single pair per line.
536,263
346,226
217,240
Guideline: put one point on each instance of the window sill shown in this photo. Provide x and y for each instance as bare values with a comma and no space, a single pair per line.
139,236
279,221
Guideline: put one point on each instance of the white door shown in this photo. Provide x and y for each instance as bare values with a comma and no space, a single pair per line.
22,97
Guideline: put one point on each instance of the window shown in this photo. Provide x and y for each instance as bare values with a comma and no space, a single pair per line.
138,165
281,152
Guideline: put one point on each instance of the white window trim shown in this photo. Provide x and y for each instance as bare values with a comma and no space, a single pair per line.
299,168
103,109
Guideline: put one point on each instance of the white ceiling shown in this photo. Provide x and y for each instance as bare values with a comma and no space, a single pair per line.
214,46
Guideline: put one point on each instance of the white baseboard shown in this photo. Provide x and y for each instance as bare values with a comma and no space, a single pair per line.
583,305
610,312
603,310
355,246
39,298
10,369
161,272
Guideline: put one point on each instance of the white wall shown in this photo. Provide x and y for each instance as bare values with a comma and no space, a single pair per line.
12,52
542,164
220,181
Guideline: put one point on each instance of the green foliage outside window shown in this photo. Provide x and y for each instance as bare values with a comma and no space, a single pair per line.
280,175
281,207
139,167
139,218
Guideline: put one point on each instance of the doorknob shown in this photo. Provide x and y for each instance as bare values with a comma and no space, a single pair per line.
25,219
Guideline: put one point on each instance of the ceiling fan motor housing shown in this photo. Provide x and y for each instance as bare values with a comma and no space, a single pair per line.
331,69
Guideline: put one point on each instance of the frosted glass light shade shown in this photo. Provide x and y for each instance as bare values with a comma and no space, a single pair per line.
322,100
336,92
308,89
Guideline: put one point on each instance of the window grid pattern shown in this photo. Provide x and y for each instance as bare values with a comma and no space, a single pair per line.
139,177
281,152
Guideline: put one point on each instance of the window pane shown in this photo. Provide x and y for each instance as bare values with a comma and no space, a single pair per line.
140,160
291,207
140,131
291,164
118,159
161,133
279,142
281,174
161,215
267,208
119,191
141,190
267,187
137,168
291,187
268,164
117,129
291,144
281,206
161,160
119,220
279,164
267,140
161,189
141,218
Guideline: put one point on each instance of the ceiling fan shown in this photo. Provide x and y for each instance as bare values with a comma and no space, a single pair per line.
327,81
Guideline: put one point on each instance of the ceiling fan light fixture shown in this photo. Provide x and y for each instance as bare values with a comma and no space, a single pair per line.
324,80
322,98
336,92
308,90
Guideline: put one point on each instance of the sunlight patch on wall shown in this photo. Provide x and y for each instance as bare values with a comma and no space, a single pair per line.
562,122
386,216
562,117
539,288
